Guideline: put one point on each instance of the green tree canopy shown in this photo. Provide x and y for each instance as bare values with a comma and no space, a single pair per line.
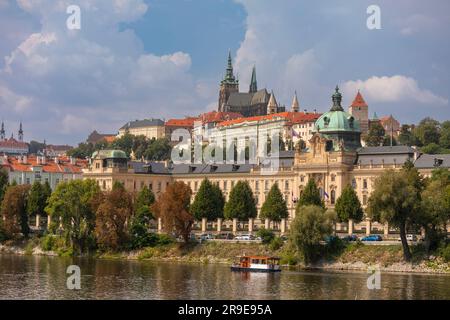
241,203
427,131
348,206
308,228
73,204
444,140
396,199
375,136
139,228
37,200
310,196
208,202
274,207
3,182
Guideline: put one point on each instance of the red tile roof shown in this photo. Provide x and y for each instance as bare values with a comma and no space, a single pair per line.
12,143
187,122
292,117
63,166
215,116
359,101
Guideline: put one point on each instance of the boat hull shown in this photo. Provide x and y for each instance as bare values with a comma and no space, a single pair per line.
241,269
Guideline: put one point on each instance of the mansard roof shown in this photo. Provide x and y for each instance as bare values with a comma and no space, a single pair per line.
432,161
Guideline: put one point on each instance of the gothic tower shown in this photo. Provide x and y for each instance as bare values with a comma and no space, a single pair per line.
20,135
253,84
360,110
228,85
272,106
2,132
295,105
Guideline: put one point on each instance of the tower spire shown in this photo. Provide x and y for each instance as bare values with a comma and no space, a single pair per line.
272,106
20,135
2,131
295,105
253,83
229,76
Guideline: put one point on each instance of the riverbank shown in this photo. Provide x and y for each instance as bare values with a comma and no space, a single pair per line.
353,257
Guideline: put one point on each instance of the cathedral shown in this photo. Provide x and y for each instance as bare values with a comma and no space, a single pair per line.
252,103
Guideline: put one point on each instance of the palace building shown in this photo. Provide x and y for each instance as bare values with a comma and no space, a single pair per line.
334,158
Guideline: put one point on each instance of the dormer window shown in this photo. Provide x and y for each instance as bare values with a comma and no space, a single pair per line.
326,121
351,122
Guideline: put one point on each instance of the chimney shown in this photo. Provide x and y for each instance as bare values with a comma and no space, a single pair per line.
315,111
25,159
306,111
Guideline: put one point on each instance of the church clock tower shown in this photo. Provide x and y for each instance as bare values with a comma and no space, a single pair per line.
228,85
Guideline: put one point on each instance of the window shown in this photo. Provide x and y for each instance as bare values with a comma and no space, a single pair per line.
266,185
333,196
142,184
104,185
97,165
159,186
232,184
195,185
354,183
321,192
286,185
256,185
302,178
365,184
28,180
333,177
364,199
225,185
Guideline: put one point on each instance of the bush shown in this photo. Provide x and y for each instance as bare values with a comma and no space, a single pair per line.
2,236
445,253
48,242
164,239
276,244
266,235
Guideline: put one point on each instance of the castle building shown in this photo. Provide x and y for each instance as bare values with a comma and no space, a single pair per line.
252,103
334,158
360,110
150,128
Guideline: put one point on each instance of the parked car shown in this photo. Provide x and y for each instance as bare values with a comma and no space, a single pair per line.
372,238
409,237
352,237
206,236
245,237
225,236
330,239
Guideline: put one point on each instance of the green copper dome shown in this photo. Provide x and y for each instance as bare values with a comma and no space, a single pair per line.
110,154
338,126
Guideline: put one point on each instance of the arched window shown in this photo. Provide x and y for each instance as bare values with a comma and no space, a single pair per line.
333,196
354,183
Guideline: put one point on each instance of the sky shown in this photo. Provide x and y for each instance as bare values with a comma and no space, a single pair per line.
135,59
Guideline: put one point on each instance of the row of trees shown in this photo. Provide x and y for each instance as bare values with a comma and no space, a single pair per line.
431,135
140,146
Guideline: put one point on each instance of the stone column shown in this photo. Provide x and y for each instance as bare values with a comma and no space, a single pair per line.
159,225
283,226
38,221
250,225
386,229
204,221
49,220
368,227
235,222
267,224
350,226
219,224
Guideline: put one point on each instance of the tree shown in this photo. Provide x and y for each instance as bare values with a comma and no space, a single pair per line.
208,202
37,200
3,182
274,207
310,196
84,150
375,136
140,223
406,136
396,199
14,213
173,209
444,140
124,143
241,203
348,207
435,211
35,147
111,218
427,131
158,150
431,148
73,205
309,227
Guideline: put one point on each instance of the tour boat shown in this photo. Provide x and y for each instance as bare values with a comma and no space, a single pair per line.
257,264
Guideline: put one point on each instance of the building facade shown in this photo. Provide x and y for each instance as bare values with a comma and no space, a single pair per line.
150,128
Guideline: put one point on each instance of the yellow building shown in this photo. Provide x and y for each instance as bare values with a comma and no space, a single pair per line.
150,128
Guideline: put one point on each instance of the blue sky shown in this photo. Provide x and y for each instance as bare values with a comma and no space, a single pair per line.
164,58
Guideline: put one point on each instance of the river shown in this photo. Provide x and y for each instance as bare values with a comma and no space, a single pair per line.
41,277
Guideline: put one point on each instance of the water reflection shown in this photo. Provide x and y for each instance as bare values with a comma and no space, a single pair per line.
33,277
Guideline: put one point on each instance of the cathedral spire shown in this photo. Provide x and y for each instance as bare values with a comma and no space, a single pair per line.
20,135
229,76
337,99
2,132
253,84
272,106
295,107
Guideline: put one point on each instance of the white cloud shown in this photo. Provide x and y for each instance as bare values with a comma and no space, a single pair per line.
393,89
10,100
